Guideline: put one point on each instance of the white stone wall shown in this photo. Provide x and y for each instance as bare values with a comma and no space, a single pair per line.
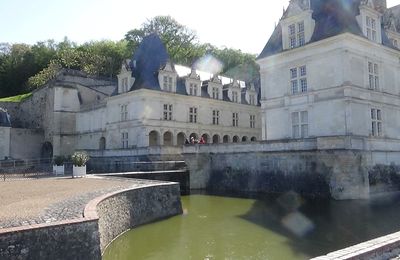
145,114
26,143
338,99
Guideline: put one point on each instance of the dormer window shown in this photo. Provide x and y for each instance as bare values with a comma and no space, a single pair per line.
193,89
252,99
167,85
215,93
371,28
296,35
234,96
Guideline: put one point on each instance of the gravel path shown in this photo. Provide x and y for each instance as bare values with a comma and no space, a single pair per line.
34,201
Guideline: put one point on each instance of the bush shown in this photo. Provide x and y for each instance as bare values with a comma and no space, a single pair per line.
59,160
80,158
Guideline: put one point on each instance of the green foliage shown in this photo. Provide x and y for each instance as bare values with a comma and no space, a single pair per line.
59,160
24,67
18,98
80,158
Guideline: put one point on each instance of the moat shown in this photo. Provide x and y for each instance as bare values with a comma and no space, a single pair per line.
269,227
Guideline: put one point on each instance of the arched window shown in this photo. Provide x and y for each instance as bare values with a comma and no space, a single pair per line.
153,138
215,139
180,139
244,139
235,139
253,139
226,139
168,138
102,143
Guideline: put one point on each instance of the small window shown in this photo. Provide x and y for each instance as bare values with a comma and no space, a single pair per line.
300,124
124,140
373,76
235,119
298,80
124,112
193,115
376,122
215,93
215,117
252,121
167,112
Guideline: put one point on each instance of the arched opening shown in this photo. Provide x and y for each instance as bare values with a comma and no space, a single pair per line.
206,138
244,139
102,143
215,139
153,138
47,151
226,139
180,139
253,139
168,138
235,139
193,137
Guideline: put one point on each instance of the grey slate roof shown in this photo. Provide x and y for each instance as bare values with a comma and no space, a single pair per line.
332,17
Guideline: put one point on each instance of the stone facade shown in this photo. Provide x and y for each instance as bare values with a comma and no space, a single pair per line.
340,80
144,109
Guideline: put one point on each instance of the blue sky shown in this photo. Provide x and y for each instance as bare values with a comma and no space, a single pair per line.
244,25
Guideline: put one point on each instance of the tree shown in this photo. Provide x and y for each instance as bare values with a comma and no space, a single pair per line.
178,39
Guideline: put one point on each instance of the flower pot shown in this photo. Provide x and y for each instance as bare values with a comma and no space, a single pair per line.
78,171
58,170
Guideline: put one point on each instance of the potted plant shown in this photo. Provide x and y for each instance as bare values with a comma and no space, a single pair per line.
79,160
58,166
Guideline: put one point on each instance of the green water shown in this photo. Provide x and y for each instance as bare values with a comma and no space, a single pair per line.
284,227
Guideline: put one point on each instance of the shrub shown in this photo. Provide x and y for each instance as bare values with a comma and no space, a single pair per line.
59,160
80,158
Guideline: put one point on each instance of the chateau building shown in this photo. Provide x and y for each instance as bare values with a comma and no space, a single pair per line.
153,103
332,68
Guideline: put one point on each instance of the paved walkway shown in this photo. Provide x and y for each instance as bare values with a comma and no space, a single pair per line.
35,201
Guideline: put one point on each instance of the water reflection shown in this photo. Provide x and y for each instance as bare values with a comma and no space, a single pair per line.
271,227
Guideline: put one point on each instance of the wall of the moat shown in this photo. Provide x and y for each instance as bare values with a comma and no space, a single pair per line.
104,219
339,167
123,211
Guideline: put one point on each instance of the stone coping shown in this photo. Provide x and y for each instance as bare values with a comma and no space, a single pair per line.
384,247
89,213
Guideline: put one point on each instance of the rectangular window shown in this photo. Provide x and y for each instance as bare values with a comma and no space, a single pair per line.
252,121
298,81
235,119
124,140
124,112
167,83
376,122
193,89
193,114
300,34
370,24
252,99
373,76
167,112
215,93
234,96
292,35
215,117
300,124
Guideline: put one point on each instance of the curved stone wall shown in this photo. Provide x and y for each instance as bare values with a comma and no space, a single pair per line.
122,211
104,219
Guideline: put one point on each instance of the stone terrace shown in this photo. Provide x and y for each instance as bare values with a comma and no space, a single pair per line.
36,201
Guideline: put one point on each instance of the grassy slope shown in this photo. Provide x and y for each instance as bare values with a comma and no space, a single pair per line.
18,98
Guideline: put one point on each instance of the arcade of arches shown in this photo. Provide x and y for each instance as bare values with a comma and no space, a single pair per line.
169,139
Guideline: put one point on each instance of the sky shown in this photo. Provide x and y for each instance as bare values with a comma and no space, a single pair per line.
244,25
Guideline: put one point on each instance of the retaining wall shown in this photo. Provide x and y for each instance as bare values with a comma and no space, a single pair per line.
104,218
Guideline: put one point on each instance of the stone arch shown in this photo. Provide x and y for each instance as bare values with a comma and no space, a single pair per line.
194,135
206,138
180,138
154,138
102,143
244,139
253,139
235,139
226,139
167,138
216,139
46,151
